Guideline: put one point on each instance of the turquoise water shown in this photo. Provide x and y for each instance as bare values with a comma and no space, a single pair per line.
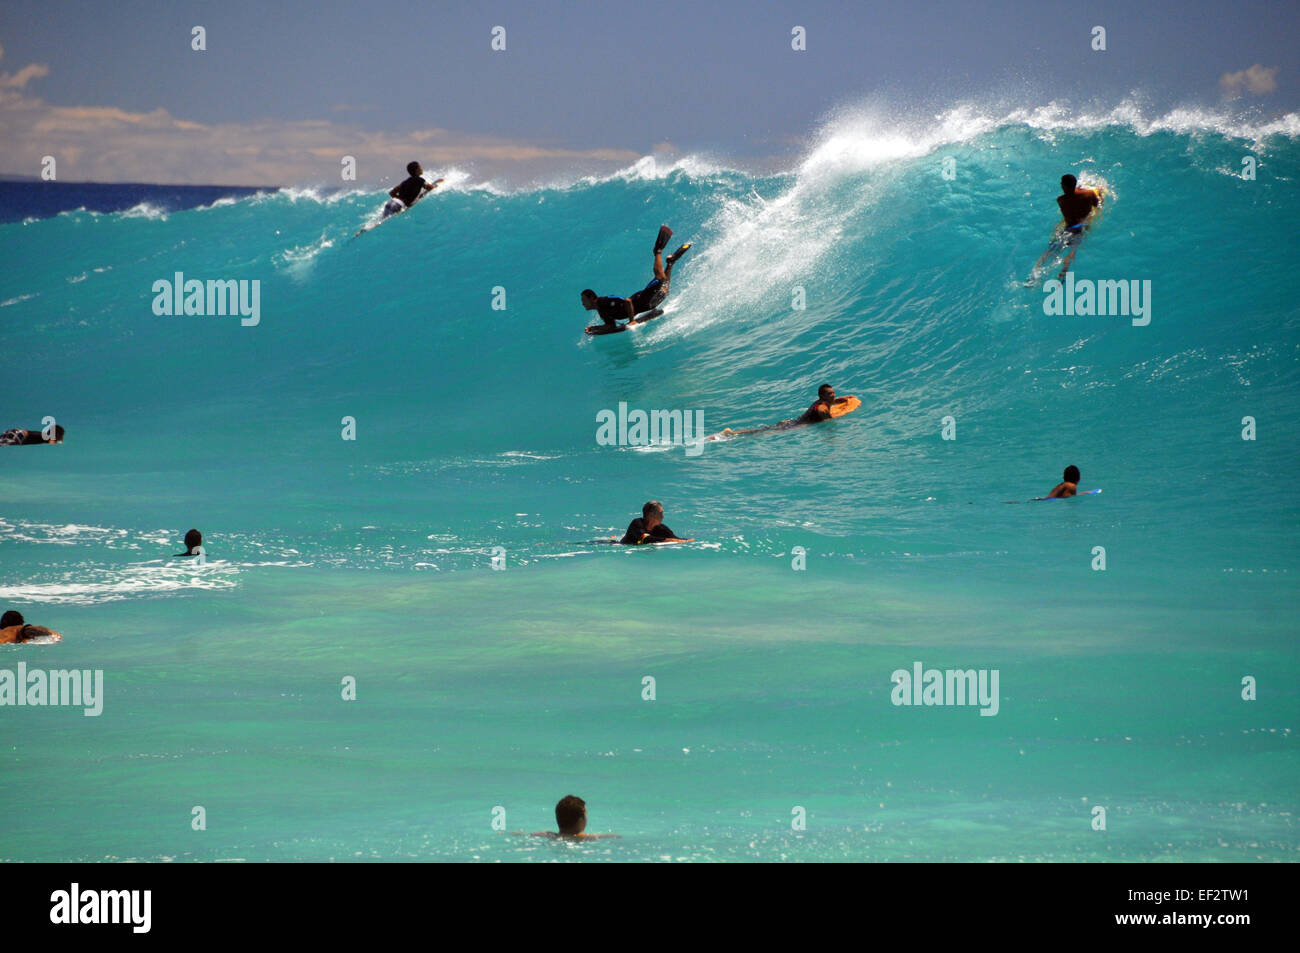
476,429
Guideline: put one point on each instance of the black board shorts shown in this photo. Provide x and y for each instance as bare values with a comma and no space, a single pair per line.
649,297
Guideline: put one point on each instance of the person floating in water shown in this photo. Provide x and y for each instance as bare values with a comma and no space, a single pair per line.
19,437
13,629
193,540
571,818
815,414
1077,205
650,528
612,310
405,194
1069,485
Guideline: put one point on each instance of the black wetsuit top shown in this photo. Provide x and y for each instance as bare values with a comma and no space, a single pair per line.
814,416
612,309
636,529
411,189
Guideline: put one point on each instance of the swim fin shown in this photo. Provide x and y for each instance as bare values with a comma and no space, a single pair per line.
680,252
661,242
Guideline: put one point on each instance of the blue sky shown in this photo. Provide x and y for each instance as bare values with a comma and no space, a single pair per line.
287,84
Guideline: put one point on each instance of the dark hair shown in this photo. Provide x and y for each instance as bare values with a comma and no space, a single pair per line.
823,389
588,293
570,812
1071,474
58,433
193,538
12,617
654,506
413,168
1068,182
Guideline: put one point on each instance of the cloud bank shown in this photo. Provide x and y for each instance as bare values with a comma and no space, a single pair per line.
108,144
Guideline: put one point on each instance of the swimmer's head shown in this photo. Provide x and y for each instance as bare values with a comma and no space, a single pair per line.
58,434
413,168
571,815
1068,183
12,617
193,540
1071,475
589,299
652,513
826,392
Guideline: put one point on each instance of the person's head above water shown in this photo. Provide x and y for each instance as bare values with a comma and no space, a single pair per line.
12,617
413,168
571,815
588,299
826,392
1071,475
1068,184
653,514
193,540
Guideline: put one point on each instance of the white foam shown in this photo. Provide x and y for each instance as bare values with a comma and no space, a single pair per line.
146,210
92,586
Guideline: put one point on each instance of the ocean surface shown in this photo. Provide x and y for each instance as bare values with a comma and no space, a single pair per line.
485,694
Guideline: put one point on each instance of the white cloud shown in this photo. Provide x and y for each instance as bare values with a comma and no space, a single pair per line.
1257,79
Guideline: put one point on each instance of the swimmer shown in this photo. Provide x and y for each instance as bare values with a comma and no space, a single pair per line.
193,540
650,528
14,631
571,818
1069,485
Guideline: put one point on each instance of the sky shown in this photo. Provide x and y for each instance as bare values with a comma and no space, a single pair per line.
284,89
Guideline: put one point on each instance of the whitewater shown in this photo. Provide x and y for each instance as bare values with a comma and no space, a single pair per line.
452,559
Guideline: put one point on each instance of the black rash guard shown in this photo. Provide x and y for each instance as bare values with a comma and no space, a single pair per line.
814,416
411,189
612,309
636,529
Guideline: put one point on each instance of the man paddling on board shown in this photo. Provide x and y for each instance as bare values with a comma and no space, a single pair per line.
1069,485
650,528
1077,206
13,630
403,195
1076,203
815,414
612,309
